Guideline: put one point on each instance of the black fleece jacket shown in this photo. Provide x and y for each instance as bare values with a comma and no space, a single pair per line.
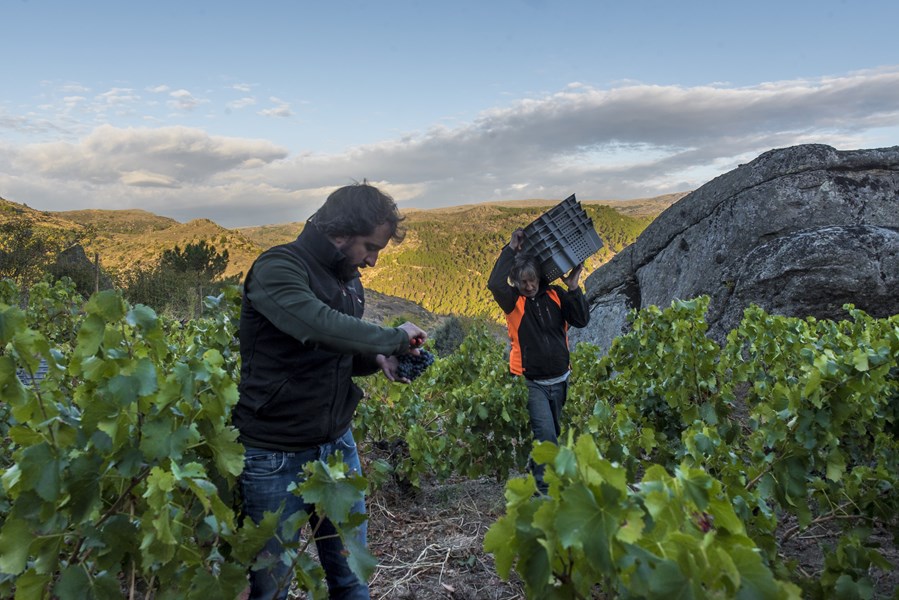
538,326
301,341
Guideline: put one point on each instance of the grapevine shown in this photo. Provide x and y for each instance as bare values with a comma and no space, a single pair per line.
684,467
119,469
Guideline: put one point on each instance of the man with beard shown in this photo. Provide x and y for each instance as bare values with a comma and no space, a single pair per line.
302,340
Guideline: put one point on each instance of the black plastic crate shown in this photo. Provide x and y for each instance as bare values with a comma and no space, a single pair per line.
561,238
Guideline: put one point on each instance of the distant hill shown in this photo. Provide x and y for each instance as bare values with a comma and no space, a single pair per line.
444,262
267,236
643,207
442,265
43,219
133,238
129,221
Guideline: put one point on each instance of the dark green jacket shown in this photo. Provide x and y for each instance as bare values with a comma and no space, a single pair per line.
301,341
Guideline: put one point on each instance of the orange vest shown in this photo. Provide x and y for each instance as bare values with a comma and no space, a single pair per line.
513,322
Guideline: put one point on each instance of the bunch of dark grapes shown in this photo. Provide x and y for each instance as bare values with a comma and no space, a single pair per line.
411,366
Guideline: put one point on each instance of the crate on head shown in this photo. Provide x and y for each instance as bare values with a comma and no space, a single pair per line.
561,238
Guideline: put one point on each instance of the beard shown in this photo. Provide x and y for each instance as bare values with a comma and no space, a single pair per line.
346,270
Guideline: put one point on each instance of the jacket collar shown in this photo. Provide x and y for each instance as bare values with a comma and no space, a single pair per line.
325,252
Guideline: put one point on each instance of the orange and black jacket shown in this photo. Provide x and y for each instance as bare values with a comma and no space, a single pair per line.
538,326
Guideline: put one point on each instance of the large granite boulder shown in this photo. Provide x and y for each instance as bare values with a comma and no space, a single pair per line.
799,231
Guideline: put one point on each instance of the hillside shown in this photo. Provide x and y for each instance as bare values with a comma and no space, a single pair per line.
129,221
267,236
442,265
643,207
444,262
447,256
42,219
135,240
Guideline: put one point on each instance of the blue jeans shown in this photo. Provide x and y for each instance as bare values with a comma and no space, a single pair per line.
263,485
545,404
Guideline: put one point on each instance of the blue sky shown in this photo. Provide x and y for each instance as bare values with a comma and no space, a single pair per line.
251,113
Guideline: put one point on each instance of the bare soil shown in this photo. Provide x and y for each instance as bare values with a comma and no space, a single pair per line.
429,544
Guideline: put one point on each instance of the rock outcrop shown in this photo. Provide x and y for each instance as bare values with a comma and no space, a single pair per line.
799,231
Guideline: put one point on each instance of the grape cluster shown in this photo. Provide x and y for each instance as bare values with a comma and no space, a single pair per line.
411,366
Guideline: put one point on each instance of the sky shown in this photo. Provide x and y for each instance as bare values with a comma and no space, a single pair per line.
251,113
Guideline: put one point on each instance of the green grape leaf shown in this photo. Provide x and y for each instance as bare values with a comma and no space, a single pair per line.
117,537
632,527
107,304
123,388
12,319
164,438
40,471
500,542
860,360
83,482
14,546
159,483
144,372
11,477
12,391
836,465
73,584
94,368
25,436
332,495
520,490
582,522
31,585
90,335
227,451
228,582
251,537
725,517
310,577
361,560
565,463
545,453
756,580
669,582
143,317
534,567
696,484
847,588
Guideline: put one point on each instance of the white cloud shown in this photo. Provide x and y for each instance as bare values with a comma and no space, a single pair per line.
118,96
241,103
184,100
145,179
281,109
628,141
73,88
176,155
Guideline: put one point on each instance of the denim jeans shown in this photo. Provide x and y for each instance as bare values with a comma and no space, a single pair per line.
263,485
545,404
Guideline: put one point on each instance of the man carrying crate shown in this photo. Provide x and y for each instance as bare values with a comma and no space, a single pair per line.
538,316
